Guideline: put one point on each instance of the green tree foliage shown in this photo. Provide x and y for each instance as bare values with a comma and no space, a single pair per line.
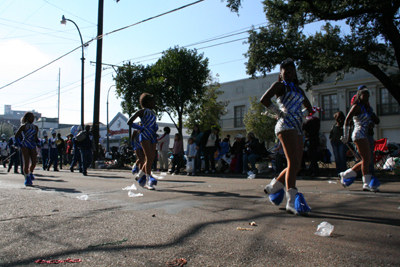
178,81
182,76
209,111
373,43
6,129
262,126
131,82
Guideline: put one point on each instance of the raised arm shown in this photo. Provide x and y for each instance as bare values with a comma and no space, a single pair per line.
139,113
275,89
21,128
355,110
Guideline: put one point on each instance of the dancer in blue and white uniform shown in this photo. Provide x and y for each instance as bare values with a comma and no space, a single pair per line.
137,147
147,138
28,145
362,115
288,129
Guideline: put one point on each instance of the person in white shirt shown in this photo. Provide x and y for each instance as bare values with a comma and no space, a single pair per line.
163,144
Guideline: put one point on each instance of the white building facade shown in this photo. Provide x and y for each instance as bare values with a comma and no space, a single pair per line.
331,96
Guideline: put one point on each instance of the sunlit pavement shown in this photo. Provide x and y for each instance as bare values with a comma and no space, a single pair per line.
195,218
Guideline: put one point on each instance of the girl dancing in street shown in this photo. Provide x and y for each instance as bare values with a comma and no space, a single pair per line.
362,115
288,129
137,147
28,146
147,138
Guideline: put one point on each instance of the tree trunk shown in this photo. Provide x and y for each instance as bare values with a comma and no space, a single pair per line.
392,87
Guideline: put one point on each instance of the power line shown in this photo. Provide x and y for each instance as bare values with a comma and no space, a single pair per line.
102,36
69,12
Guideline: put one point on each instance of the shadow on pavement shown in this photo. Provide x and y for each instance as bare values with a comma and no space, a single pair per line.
66,190
215,194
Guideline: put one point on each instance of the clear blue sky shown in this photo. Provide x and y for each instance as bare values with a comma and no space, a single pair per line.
31,36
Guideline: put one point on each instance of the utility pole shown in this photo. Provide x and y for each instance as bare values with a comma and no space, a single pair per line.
97,85
59,80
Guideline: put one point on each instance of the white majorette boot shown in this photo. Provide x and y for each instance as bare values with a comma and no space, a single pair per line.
139,175
370,183
275,192
149,184
347,177
296,203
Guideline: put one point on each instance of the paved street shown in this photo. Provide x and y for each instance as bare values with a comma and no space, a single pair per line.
195,218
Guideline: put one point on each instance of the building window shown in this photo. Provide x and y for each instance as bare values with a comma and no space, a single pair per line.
351,95
388,105
239,116
239,90
330,107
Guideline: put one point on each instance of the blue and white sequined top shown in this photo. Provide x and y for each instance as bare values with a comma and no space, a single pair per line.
290,103
30,133
150,127
361,123
136,144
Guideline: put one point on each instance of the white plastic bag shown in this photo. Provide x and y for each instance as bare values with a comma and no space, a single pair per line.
324,229
83,197
132,187
131,194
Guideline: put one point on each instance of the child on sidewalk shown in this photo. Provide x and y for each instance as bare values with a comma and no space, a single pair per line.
190,154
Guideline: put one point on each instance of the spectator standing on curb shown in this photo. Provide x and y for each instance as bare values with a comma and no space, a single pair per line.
53,152
76,155
190,154
86,150
339,149
13,144
3,149
45,147
68,151
196,135
163,143
177,152
209,144
60,149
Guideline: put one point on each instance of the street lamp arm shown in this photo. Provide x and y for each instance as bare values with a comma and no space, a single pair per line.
64,21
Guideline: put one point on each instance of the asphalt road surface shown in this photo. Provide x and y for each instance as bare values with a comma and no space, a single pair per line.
195,218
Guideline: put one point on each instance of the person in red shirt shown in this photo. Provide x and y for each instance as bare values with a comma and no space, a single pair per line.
69,148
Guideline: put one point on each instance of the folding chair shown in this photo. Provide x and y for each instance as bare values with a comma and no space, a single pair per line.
381,153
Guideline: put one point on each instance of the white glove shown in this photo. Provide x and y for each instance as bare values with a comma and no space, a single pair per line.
345,137
279,113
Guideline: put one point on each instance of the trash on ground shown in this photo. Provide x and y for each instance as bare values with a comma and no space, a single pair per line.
253,224
109,243
131,194
177,263
163,173
57,261
83,197
244,229
132,187
324,229
332,182
251,175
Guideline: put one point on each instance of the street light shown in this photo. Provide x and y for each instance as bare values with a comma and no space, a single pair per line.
64,22
108,139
